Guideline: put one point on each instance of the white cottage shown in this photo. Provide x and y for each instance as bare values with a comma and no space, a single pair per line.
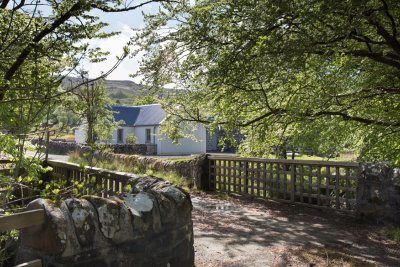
144,123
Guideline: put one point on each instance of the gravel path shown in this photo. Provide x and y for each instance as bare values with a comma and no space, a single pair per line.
245,233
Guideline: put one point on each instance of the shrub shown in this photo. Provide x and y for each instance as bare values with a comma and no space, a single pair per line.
131,139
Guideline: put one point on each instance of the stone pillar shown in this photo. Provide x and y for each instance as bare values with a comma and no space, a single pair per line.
151,225
378,194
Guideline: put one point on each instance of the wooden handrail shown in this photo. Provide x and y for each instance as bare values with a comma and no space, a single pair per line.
115,175
287,161
22,220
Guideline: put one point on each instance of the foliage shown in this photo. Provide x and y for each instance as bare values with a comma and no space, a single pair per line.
131,139
145,100
305,74
8,243
90,102
393,232
41,43
136,168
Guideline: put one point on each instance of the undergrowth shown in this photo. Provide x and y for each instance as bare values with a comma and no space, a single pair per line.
393,232
116,165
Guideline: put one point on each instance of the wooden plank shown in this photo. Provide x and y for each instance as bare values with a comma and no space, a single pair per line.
258,179
301,183
319,185
229,175
347,189
34,263
251,177
309,183
264,179
292,182
337,177
223,171
284,176
21,220
235,187
328,180
271,179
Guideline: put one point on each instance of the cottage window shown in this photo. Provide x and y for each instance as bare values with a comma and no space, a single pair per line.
120,135
148,136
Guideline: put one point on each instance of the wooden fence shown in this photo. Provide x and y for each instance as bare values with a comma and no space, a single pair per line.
313,183
90,180
23,220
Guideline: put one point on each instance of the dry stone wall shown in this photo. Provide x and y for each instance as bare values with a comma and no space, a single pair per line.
63,148
151,225
193,170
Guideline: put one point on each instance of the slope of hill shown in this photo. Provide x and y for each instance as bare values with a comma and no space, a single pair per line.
121,92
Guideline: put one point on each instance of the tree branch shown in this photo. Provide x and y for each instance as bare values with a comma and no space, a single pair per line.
28,49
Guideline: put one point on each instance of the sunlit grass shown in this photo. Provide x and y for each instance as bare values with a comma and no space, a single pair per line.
116,165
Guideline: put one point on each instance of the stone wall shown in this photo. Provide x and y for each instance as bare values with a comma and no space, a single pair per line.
63,148
149,226
192,169
378,194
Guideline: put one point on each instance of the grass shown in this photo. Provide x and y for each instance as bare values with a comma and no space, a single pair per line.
343,157
393,232
67,137
115,165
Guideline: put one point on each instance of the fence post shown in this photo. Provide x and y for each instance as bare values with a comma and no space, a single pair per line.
246,176
292,182
205,178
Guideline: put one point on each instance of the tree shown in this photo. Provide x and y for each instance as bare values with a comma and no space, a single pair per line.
41,43
90,103
145,100
319,74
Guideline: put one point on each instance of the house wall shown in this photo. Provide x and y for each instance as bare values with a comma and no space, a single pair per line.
165,146
140,132
126,132
80,134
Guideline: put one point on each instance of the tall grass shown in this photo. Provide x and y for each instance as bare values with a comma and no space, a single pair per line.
116,165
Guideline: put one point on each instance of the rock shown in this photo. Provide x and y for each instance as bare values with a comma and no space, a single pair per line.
145,211
150,226
378,195
83,217
114,218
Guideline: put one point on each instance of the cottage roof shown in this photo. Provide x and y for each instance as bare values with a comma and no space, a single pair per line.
139,115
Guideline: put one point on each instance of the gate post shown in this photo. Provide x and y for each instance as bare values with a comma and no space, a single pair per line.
205,183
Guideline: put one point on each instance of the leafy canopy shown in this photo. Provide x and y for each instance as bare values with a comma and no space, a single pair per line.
304,74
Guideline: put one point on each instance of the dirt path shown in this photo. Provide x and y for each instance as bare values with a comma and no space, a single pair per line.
244,233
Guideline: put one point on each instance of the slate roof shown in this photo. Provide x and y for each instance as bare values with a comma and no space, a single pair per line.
139,115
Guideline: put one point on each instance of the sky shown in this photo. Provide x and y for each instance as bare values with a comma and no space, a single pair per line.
123,22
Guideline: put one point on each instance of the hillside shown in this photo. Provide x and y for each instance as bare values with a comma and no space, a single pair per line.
122,92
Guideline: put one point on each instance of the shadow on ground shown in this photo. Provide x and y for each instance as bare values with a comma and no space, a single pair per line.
240,232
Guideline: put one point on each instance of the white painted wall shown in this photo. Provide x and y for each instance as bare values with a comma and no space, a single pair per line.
80,134
165,146
185,146
140,132
126,132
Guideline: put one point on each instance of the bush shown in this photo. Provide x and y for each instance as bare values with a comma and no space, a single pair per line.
131,139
